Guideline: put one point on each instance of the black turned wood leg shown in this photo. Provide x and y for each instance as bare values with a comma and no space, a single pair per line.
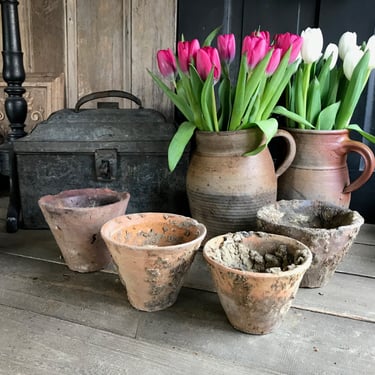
15,103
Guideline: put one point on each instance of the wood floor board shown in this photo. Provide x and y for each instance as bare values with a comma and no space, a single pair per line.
32,344
307,342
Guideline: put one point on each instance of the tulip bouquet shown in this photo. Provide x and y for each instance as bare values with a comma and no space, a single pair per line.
326,88
200,86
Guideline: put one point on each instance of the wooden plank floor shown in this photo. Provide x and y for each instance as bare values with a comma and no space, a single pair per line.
55,321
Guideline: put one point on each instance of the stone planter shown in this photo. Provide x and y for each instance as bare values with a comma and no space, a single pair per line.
328,230
153,252
75,218
256,276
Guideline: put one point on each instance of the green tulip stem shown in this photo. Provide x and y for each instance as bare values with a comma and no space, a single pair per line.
214,115
305,87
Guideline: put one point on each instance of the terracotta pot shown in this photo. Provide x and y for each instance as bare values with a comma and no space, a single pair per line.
224,188
319,170
75,218
255,302
329,231
153,252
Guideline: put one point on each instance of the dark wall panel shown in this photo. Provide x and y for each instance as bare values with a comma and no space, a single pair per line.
197,18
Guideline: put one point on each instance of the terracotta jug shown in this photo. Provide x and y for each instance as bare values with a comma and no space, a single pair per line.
319,170
225,189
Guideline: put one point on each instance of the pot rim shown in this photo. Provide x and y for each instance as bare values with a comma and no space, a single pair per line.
300,267
201,227
45,200
358,220
227,133
316,132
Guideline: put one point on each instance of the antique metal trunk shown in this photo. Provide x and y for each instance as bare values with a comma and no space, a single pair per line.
122,149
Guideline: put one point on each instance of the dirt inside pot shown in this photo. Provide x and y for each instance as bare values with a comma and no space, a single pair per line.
233,252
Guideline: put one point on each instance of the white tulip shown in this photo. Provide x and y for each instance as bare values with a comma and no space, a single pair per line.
333,50
347,42
351,60
371,47
312,45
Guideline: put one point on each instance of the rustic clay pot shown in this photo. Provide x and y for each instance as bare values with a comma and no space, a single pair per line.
153,252
255,302
329,231
224,188
75,218
319,170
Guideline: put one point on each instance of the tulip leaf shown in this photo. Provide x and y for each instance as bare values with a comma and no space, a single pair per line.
238,104
353,92
324,79
275,92
269,129
298,95
257,78
279,110
359,130
313,106
176,99
179,142
225,103
206,102
210,37
327,117
253,106
333,87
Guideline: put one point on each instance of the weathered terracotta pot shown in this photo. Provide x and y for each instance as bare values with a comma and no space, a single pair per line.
255,302
329,231
319,170
153,252
224,188
75,218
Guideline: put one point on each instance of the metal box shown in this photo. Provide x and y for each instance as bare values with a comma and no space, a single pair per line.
122,149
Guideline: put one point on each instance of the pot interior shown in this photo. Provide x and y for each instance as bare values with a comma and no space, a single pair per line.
80,198
88,201
158,232
257,252
306,214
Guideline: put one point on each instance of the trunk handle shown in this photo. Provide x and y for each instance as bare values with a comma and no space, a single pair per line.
107,94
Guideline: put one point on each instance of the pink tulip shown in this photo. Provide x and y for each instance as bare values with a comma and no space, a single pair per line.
226,46
262,34
274,61
255,48
187,52
208,58
284,41
166,62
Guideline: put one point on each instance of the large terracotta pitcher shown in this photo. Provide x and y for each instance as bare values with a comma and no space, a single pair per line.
319,171
225,189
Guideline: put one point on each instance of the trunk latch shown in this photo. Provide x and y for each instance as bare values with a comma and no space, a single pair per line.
106,164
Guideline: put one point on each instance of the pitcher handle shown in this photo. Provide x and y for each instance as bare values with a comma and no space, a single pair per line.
368,157
290,153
